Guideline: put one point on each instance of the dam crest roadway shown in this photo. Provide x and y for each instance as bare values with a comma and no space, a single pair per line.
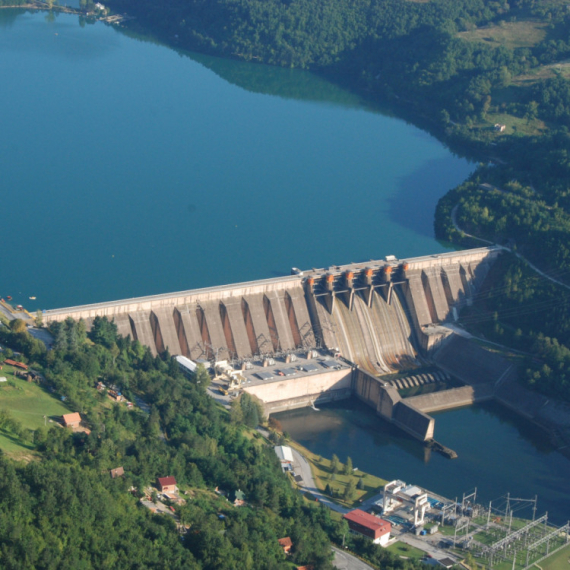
376,318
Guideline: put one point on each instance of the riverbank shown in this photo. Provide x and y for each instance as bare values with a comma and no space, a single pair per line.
38,5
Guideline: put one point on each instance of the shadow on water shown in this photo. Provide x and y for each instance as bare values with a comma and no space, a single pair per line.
268,79
498,451
422,188
9,15
342,422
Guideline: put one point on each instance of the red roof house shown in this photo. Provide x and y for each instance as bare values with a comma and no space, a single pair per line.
285,544
368,525
166,484
71,420
16,364
117,472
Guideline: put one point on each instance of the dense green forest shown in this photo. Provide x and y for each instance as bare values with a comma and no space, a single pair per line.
488,77
63,510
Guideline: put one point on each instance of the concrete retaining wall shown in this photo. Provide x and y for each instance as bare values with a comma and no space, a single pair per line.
293,393
454,398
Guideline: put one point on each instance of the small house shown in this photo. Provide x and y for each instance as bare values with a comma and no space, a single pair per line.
239,499
16,364
286,544
117,472
167,484
369,525
71,420
500,128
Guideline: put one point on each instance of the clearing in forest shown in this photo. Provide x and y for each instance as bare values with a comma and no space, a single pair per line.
524,34
27,403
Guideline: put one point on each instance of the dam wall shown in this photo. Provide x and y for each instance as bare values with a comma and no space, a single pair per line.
381,315
453,398
375,314
388,404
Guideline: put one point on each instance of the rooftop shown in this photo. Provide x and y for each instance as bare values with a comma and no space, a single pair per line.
71,418
298,367
164,481
186,362
284,453
368,521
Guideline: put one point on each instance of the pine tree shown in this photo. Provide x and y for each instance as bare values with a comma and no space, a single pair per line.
348,466
335,463
350,490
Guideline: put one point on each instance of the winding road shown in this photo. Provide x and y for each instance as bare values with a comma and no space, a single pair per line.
531,265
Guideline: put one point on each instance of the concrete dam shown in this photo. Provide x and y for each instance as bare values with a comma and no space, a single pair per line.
379,317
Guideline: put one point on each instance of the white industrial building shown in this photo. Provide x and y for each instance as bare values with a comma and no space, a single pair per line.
398,495
285,455
187,366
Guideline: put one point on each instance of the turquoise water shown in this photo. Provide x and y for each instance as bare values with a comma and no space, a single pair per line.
130,169
498,452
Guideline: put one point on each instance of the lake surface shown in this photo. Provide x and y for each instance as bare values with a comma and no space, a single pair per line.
498,452
130,169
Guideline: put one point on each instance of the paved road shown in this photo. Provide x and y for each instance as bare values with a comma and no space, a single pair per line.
345,561
427,546
7,313
302,467
43,335
524,259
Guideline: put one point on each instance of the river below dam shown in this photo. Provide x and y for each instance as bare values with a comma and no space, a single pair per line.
498,452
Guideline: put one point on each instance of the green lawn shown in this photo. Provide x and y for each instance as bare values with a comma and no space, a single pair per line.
514,125
558,561
28,403
322,473
406,551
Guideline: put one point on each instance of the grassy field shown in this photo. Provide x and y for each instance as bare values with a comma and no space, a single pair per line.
27,403
321,468
404,550
509,34
558,561
514,125
544,72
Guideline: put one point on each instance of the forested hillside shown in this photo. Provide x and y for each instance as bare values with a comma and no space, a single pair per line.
62,509
488,77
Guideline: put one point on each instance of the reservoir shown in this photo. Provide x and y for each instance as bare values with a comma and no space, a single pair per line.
498,452
129,169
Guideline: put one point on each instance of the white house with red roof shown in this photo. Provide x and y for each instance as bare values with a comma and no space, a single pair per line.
370,526
166,484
